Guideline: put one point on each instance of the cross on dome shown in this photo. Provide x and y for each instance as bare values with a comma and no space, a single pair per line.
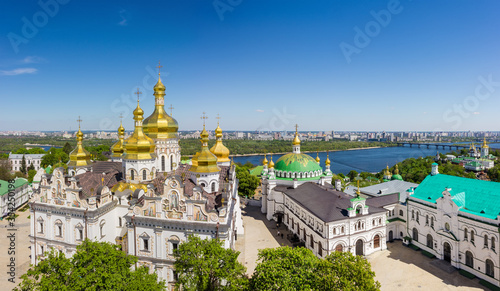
159,68
138,93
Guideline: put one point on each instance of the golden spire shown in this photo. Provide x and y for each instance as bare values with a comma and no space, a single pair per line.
139,146
317,157
396,170
271,163
206,161
327,162
296,140
160,125
171,110
79,156
264,162
485,146
117,149
219,149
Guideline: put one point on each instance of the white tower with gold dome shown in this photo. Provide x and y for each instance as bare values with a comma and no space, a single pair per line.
219,149
79,159
139,154
204,169
117,149
163,128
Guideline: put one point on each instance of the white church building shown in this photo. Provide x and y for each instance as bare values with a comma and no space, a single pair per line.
144,199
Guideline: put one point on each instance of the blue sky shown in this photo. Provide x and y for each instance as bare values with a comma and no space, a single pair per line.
326,65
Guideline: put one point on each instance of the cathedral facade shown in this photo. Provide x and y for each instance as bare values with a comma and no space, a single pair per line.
143,199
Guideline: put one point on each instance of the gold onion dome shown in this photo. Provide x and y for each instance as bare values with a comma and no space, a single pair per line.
204,161
159,124
485,146
271,163
265,161
117,149
317,158
296,140
139,146
79,156
219,149
327,162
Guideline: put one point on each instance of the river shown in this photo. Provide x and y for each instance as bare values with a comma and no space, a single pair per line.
364,160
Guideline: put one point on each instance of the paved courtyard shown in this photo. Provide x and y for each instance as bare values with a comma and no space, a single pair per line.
398,268
21,242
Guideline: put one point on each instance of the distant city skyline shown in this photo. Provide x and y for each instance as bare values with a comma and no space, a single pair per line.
262,65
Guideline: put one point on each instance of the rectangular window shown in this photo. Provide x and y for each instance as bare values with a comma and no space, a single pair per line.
80,234
146,244
41,227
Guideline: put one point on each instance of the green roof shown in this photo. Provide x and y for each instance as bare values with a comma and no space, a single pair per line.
4,185
48,169
256,171
297,163
473,196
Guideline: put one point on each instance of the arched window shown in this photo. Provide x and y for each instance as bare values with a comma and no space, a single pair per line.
213,187
492,243
490,268
413,214
339,248
432,221
466,234
430,241
101,228
472,236
144,176
415,234
59,230
342,230
376,241
469,259
312,241
163,163
485,240
320,249
131,174
401,212
418,217
172,163
427,220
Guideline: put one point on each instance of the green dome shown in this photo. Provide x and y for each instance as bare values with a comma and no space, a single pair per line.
397,177
297,163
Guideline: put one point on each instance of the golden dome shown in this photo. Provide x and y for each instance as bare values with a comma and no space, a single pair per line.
485,146
327,162
204,161
264,162
79,157
139,146
219,149
317,157
296,140
117,148
271,163
159,124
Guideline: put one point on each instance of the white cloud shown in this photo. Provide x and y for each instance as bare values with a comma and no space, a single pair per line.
19,71
123,22
33,60
475,113
259,110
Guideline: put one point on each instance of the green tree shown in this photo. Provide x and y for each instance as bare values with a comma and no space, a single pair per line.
345,271
67,148
94,266
31,174
352,175
247,182
23,165
285,268
207,265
